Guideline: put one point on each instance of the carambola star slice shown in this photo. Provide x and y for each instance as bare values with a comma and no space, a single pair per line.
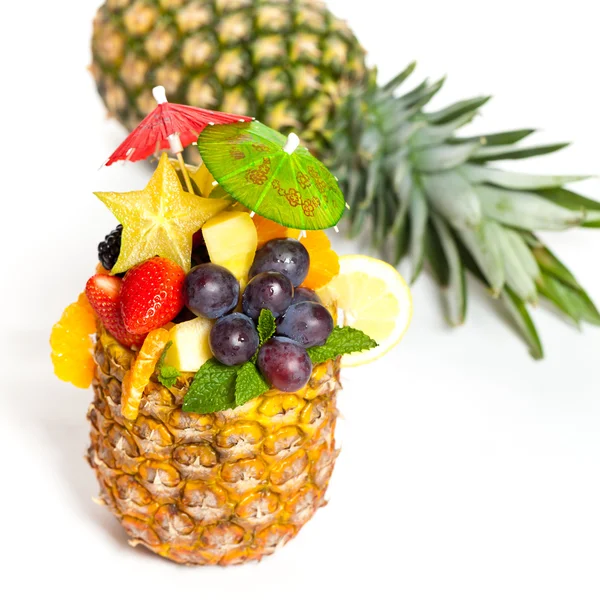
159,220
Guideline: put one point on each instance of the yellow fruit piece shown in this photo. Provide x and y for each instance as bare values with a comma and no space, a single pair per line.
372,297
142,368
72,344
231,240
190,348
203,178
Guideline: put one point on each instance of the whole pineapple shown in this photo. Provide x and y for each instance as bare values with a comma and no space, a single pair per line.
220,488
288,63
420,188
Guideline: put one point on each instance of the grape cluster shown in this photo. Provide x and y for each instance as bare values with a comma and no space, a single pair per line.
280,266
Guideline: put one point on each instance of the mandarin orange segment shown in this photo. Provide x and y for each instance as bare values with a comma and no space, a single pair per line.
324,262
100,270
72,344
268,230
142,368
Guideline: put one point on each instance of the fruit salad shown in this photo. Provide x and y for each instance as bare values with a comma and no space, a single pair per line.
213,338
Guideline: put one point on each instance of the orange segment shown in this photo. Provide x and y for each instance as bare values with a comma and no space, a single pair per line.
142,368
100,270
72,344
268,230
324,262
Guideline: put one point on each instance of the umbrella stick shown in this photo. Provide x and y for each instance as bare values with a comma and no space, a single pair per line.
186,175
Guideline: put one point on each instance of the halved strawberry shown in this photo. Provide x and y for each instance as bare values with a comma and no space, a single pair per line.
152,294
104,292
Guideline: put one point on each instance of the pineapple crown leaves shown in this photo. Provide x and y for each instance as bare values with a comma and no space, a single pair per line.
425,192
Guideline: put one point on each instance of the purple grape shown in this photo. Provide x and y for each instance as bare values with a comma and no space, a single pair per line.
307,323
233,339
267,290
211,291
286,256
305,295
285,364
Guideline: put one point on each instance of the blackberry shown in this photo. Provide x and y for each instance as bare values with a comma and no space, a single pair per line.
108,250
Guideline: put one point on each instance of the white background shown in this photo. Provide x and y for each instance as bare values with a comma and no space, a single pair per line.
468,470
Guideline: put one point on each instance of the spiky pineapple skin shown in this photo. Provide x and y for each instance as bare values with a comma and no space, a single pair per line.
285,62
217,489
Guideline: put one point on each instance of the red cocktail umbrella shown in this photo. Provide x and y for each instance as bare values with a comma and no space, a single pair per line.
169,126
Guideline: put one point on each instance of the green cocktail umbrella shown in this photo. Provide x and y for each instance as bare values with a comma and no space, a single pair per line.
273,176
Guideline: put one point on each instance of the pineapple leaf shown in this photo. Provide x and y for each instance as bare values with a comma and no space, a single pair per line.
553,290
575,303
454,111
434,253
518,276
453,280
550,264
397,81
453,197
428,135
522,181
508,152
573,201
499,139
410,98
525,210
521,318
418,225
442,157
483,246
428,94
587,309
523,252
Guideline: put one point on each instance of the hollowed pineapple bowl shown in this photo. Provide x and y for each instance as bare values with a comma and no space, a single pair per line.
210,336
216,489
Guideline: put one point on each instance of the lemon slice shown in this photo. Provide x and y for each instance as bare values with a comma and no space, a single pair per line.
373,297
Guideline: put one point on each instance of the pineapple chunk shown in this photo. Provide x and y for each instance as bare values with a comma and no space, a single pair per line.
190,348
231,240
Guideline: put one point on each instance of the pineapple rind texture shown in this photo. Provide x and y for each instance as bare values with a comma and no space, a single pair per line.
285,62
217,489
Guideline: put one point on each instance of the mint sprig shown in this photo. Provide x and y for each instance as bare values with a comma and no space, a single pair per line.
218,387
212,390
266,325
342,340
249,384
167,375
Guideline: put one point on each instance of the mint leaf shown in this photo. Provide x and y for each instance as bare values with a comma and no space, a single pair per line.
249,384
213,389
168,376
161,360
342,340
266,325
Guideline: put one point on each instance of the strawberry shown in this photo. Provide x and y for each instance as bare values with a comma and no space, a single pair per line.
152,294
104,294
